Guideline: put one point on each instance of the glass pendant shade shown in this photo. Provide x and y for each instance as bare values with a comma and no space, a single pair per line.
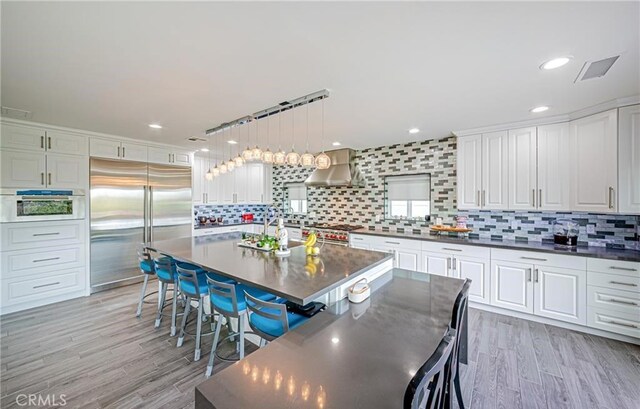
239,161
216,171
230,165
256,153
279,158
208,175
267,156
247,154
223,168
323,161
293,158
307,160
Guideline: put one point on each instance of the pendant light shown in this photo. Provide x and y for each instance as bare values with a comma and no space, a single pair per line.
223,166
238,160
209,175
323,161
307,159
267,155
256,153
230,164
280,156
293,158
247,154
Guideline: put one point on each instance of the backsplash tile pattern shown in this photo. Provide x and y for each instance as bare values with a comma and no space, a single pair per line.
231,213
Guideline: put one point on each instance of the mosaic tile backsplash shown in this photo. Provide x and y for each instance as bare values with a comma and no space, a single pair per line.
230,213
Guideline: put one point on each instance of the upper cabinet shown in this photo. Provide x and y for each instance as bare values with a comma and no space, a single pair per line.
629,160
169,156
114,149
522,188
37,170
495,170
248,184
553,167
593,155
469,172
42,140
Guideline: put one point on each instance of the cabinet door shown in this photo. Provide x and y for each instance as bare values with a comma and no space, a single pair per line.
594,157
22,137
134,151
553,167
69,172
182,158
629,160
104,148
522,169
214,190
477,270
67,143
23,169
386,249
241,185
408,259
255,175
227,193
561,294
512,286
494,170
159,155
198,182
436,263
469,171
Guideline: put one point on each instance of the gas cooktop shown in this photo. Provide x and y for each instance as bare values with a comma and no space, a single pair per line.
333,226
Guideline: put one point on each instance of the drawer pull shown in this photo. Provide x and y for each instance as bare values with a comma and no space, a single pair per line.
623,268
357,238
392,242
449,249
624,324
46,285
623,302
45,234
621,283
46,259
533,258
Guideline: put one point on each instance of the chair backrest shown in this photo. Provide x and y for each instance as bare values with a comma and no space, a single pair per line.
144,257
269,310
165,269
226,291
188,275
430,382
457,322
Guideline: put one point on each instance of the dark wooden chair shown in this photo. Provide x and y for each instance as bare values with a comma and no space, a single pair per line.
428,388
457,323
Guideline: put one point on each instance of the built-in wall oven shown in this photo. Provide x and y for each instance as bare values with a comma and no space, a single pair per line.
25,205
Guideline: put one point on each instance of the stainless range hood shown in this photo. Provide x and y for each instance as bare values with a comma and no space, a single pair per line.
342,172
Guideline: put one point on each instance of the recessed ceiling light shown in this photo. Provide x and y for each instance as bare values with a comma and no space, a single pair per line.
204,150
232,142
555,63
155,126
539,109
336,144
335,340
414,130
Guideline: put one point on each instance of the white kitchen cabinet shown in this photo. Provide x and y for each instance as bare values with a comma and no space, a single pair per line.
227,188
168,156
66,171
115,149
629,160
553,167
241,185
406,253
560,294
522,169
182,158
23,169
469,172
22,137
360,242
476,270
436,263
256,182
134,152
198,182
593,153
67,143
512,286
495,163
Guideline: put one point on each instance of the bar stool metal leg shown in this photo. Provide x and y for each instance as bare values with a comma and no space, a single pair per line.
241,331
187,308
216,338
174,310
161,299
196,354
142,292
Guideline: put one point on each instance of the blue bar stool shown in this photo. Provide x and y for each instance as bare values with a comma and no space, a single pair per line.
271,320
147,268
228,300
193,284
167,274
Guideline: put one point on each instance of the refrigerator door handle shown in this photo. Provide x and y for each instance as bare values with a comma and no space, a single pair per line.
150,213
144,215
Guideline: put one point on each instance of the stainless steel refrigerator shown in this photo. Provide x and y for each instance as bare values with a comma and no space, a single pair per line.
132,203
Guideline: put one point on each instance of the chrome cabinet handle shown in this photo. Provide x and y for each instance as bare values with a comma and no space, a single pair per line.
123,154
169,158
450,249
45,234
528,275
454,264
46,285
621,283
533,258
48,143
118,151
478,198
611,191
535,275
49,178
621,323
540,198
45,259
533,195
448,263
623,302
484,197
42,142
623,268
392,242
357,238
42,178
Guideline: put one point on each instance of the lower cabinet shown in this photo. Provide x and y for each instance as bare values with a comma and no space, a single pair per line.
511,286
436,263
477,270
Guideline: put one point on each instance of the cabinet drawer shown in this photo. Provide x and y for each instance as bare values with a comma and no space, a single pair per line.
614,266
614,300
361,239
614,321
467,251
396,243
541,259
615,281
20,236
19,289
30,262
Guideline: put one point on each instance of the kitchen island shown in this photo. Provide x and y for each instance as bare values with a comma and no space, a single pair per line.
298,278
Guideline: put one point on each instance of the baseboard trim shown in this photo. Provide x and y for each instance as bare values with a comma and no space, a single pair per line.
549,321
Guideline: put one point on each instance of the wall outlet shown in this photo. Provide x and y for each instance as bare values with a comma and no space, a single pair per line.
591,229
377,217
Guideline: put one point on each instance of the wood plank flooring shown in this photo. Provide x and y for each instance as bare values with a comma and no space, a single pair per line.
99,355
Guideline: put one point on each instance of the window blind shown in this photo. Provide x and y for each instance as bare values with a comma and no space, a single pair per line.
414,187
297,192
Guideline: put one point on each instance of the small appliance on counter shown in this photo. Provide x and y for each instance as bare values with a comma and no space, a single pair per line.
247,218
565,232
359,292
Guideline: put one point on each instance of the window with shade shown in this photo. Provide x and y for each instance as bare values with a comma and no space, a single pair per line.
295,198
408,196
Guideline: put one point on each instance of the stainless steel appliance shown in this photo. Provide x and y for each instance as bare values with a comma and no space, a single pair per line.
28,205
132,203
331,233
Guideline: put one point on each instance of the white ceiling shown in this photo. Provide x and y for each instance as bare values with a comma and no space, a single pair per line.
115,67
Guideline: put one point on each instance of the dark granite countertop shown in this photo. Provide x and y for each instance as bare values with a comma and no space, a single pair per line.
350,356
289,277
584,251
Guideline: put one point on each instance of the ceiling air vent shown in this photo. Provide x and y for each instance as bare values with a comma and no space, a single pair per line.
596,69
16,113
196,139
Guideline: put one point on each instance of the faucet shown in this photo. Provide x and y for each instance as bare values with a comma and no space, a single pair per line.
267,221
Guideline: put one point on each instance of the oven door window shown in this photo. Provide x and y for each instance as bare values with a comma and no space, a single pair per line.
44,207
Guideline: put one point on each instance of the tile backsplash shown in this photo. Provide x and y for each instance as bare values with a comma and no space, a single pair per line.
231,213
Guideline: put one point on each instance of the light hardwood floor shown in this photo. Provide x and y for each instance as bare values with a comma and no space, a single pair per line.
99,355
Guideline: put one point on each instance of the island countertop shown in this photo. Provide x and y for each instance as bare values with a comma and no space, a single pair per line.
298,277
